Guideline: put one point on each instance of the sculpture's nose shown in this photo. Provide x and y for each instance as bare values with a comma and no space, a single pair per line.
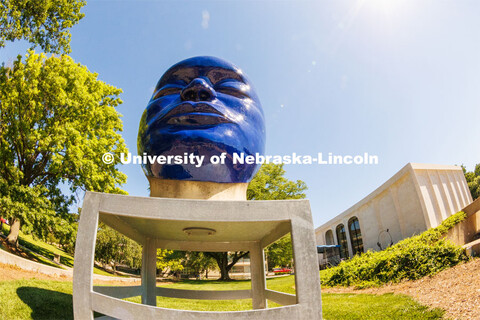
198,90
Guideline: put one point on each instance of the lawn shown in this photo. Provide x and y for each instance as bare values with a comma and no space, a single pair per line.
36,299
40,250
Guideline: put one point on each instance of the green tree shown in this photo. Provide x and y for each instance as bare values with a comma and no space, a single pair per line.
169,260
112,248
268,184
172,261
56,121
272,185
199,262
66,234
473,180
45,23
280,253
223,263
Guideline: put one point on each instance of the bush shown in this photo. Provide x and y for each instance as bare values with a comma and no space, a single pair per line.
411,258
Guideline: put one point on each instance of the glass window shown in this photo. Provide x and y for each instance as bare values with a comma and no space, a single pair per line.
355,235
342,241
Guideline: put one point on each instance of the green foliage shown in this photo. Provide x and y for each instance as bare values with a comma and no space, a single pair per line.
45,249
40,248
56,121
169,260
280,253
24,203
112,248
473,181
45,23
172,261
270,184
411,258
65,233
199,262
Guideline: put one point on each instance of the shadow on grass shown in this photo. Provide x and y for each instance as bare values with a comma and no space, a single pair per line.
47,304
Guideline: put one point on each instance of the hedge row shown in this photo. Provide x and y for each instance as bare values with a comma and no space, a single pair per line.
411,258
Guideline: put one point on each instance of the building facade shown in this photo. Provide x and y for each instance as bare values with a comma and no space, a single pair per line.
418,197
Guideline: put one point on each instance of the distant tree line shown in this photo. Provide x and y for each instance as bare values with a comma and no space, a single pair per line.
473,180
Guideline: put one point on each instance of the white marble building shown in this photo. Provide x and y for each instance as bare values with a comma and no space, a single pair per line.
418,197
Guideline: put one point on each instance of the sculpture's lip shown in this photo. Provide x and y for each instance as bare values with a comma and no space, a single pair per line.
197,118
191,114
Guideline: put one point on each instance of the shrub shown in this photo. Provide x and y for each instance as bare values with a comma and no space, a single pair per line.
411,258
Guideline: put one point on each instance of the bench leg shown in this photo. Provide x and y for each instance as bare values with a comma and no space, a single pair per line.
149,273
257,271
307,276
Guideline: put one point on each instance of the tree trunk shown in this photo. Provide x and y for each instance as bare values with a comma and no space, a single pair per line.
222,261
224,276
12,237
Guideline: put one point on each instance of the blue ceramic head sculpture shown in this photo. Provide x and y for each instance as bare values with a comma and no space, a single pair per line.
203,106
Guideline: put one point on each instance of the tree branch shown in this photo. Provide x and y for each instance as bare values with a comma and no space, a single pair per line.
237,257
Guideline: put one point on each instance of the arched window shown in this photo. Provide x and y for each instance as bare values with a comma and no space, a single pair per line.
355,235
342,240
329,237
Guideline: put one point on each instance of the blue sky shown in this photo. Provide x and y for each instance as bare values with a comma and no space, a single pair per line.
399,79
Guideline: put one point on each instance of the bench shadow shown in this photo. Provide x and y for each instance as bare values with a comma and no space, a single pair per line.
47,304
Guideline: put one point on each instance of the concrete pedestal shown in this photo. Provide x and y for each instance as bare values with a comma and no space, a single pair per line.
161,223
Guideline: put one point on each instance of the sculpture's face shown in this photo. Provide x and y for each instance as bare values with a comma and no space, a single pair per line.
203,106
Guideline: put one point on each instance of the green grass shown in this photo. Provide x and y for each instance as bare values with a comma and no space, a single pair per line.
367,306
40,248
35,299
38,299
105,273
209,285
282,284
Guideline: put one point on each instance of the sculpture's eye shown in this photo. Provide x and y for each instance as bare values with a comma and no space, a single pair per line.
167,90
233,88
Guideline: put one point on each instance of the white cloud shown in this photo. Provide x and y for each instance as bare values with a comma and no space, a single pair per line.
205,19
